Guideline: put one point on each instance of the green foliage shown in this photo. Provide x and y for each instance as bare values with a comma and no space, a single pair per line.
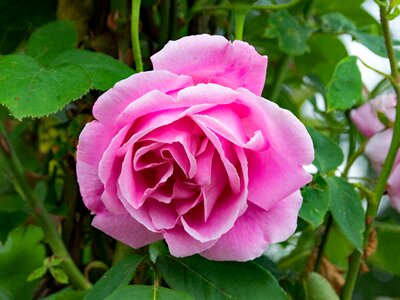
117,277
328,155
204,279
316,201
344,89
347,210
145,292
19,256
318,287
292,35
55,73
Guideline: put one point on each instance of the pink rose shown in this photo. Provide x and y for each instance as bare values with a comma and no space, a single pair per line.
192,154
366,119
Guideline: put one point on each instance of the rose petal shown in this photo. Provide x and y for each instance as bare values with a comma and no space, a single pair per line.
378,147
214,59
93,141
181,244
394,187
109,105
256,229
125,229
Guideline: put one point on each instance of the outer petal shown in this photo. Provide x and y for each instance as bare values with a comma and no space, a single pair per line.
125,229
256,229
114,101
378,148
182,244
366,116
93,141
214,59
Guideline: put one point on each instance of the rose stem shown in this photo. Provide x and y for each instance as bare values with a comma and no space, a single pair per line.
373,203
40,213
135,35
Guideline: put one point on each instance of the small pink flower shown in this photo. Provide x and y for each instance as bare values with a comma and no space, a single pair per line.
367,121
192,154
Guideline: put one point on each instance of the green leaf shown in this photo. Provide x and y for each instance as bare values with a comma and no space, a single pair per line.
145,292
337,23
328,155
292,36
345,87
52,39
30,90
316,200
103,70
204,279
9,221
118,276
66,294
37,273
19,256
347,210
59,275
319,288
388,244
318,61
338,249
375,43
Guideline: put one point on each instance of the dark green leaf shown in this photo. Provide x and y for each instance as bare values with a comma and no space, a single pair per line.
30,90
347,210
319,61
292,36
388,245
9,221
336,23
204,279
338,248
118,276
316,200
328,155
375,43
19,256
66,294
52,39
145,292
319,288
345,87
103,70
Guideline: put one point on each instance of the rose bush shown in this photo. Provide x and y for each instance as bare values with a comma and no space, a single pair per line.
192,154
370,119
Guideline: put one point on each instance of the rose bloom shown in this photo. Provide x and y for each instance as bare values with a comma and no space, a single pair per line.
192,154
367,120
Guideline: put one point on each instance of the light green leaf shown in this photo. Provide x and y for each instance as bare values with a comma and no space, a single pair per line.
59,275
37,273
145,292
118,276
328,155
51,39
319,288
103,70
375,43
22,243
347,210
345,87
292,36
209,280
30,90
316,200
